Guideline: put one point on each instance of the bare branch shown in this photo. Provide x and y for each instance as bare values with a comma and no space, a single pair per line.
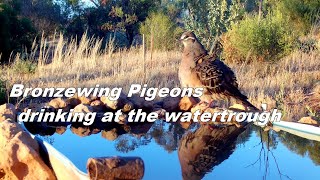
95,3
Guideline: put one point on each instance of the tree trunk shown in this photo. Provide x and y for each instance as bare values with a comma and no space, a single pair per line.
260,9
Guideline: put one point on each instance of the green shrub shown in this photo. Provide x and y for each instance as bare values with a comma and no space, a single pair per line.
163,30
302,13
267,39
24,67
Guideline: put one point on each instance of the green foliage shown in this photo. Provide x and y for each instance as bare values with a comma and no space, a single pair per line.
23,67
108,16
15,33
159,29
119,20
210,18
302,13
267,39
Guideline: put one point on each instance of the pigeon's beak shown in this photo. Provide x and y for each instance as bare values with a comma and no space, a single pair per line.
180,40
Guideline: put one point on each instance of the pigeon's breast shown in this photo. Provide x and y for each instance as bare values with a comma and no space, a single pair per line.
187,77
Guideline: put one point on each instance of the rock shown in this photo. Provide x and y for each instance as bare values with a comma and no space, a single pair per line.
82,108
96,103
61,129
7,111
186,103
110,135
141,103
98,106
20,158
139,129
128,107
95,131
123,119
115,168
171,104
84,100
73,101
58,103
81,131
309,120
115,104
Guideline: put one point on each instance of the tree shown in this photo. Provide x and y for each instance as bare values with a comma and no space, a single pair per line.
210,18
45,15
109,16
161,31
15,33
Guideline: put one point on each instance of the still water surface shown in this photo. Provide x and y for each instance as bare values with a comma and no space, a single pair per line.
172,152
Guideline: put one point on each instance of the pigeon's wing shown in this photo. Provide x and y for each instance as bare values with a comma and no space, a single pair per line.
218,78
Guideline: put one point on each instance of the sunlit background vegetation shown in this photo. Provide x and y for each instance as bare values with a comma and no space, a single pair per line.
272,45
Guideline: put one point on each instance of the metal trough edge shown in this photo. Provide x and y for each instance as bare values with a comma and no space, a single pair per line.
63,168
298,129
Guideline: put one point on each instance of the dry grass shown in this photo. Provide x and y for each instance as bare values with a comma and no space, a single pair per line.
68,64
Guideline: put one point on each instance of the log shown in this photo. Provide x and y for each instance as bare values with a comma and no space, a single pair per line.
115,168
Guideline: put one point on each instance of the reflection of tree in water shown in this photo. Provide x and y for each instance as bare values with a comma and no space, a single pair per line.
244,136
269,138
314,152
126,143
301,146
167,135
268,142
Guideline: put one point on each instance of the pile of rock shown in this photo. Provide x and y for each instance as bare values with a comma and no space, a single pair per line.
126,104
20,157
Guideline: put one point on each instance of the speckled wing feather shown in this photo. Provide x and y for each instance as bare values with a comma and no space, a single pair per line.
218,78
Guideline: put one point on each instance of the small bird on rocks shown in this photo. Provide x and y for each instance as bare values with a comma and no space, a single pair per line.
199,69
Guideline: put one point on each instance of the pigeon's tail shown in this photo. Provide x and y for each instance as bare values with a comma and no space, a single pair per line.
246,103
